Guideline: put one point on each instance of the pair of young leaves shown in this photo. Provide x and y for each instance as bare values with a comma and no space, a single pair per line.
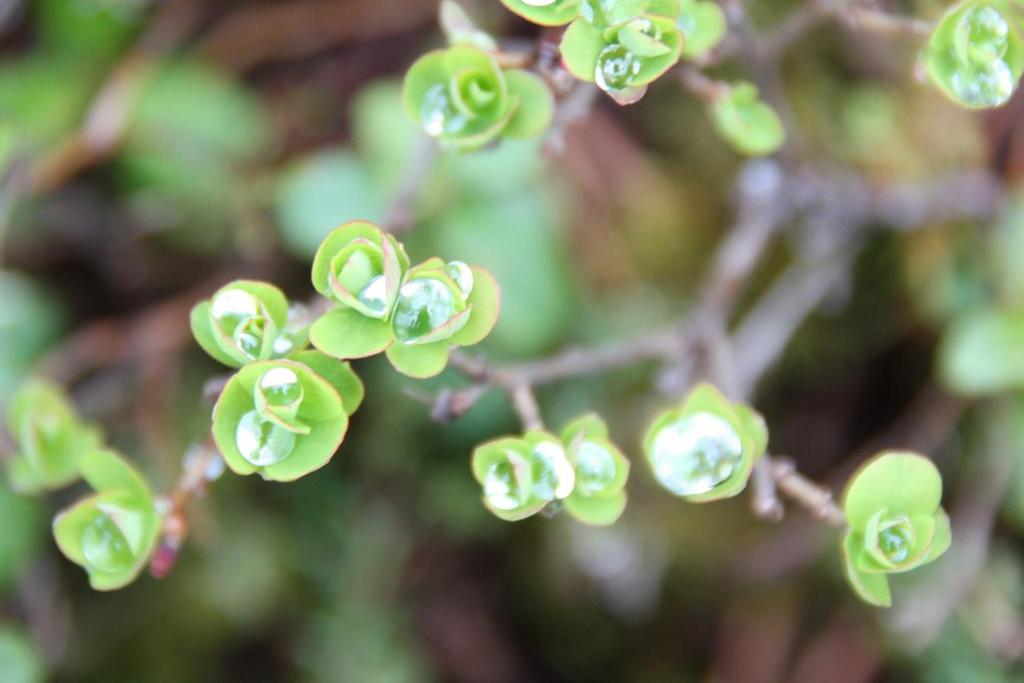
111,534
583,470
414,315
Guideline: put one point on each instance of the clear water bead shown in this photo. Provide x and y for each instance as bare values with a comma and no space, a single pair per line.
424,304
248,337
374,297
616,68
281,387
438,114
501,483
982,36
104,544
595,468
896,540
462,274
695,454
983,86
263,442
232,307
553,476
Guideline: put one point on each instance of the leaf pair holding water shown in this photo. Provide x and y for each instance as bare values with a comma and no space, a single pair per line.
705,449
895,522
415,315
462,97
583,470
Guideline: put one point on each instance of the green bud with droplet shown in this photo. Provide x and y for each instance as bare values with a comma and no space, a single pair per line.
975,54
284,419
247,321
423,312
895,522
623,58
746,122
705,449
50,438
113,533
464,99
599,496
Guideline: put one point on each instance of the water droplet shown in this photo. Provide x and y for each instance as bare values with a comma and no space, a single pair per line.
695,454
104,544
553,476
502,488
981,36
248,337
281,387
462,274
983,86
896,539
263,442
438,114
374,297
283,345
616,68
424,304
595,468
233,307
595,11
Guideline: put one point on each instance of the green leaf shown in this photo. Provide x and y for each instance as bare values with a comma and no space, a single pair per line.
21,662
941,540
108,472
269,306
485,300
747,123
596,510
21,528
321,410
419,360
590,426
347,333
536,104
871,588
975,54
580,48
340,375
84,30
703,26
982,353
460,29
556,13
50,436
900,482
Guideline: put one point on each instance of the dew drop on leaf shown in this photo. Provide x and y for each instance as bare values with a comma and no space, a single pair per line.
263,442
695,454
232,307
424,304
462,274
501,484
438,114
104,544
374,297
896,539
553,476
983,86
595,468
981,36
281,387
616,68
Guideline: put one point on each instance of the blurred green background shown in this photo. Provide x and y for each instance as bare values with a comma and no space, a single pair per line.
153,151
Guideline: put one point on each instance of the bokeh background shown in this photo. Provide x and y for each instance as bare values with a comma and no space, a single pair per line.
153,151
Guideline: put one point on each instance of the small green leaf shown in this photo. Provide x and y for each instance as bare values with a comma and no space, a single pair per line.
419,361
747,123
552,13
580,48
703,26
340,375
982,352
21,662
346,333
245,321
485,300
900,482
597,510
975,54
536,104
250,441
872,588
